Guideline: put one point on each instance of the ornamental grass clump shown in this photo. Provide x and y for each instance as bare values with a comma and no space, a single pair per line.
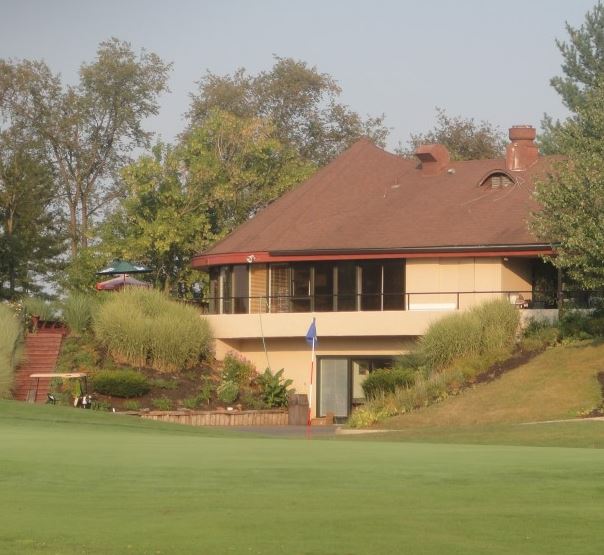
484,329
77,312
35,306
143,327
11,338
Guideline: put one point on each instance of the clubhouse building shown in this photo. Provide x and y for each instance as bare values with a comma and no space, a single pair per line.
376,247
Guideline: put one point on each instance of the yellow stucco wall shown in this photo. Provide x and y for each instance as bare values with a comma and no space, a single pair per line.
473,277
295,354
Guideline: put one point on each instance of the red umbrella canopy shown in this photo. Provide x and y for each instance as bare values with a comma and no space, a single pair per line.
119,282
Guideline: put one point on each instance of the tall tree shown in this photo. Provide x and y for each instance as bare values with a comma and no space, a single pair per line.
181,199
582,72
301,103
572,195
30,225
89,129
464,138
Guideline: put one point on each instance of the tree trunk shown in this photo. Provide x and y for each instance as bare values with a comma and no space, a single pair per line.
84,226
73,228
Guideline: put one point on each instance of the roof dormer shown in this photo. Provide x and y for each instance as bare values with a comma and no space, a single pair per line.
497,179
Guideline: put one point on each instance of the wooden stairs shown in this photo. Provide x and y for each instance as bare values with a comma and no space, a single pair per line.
41,354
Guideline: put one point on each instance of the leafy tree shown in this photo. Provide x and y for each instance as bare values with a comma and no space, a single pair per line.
181,199
89,129
30,226
583,59
162,219
464,138
572,195
583,70
241,166
299,101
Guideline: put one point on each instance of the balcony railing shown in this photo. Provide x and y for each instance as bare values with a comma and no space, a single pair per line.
424,301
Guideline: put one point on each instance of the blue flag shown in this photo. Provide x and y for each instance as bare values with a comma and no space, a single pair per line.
311,334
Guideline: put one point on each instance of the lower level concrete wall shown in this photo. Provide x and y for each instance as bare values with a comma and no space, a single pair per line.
295,354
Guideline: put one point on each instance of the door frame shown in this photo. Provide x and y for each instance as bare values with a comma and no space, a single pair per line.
349,359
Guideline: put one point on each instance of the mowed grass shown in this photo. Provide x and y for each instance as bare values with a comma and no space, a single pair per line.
557,384
77,482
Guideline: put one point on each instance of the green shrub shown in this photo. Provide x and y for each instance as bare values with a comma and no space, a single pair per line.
252,400
11,340
386,380
274,390
574,324
237,369
78,309
101,406
132,405
205,391
227,391
538,335
372,412
595,326
162,403
191,403
121,383
141,326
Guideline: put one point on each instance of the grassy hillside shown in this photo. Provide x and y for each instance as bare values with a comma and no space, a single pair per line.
558,384
75,482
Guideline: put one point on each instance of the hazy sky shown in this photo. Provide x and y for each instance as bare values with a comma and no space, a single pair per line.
485,59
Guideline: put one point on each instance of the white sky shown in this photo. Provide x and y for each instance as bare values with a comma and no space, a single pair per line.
485,59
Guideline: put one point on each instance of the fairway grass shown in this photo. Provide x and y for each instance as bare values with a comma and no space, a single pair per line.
74,482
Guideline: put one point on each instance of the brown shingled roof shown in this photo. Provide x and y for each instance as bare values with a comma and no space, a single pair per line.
370,199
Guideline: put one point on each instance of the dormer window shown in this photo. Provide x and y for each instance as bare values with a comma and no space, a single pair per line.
497,180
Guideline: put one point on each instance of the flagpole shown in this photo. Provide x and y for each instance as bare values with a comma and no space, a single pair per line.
312,368
311,338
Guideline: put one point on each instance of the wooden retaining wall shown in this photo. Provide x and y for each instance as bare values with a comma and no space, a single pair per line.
221,417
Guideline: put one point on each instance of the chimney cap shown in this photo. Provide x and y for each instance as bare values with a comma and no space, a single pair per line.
522,133
432,153
434,158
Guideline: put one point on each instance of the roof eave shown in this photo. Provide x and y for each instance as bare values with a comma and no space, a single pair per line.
204,261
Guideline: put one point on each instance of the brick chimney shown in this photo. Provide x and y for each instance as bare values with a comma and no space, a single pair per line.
434,159
522,152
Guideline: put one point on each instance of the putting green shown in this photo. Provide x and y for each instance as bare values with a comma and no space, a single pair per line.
75,482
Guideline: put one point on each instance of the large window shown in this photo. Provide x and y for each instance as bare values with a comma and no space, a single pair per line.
308,287
241,289
324,287
346,287
371,285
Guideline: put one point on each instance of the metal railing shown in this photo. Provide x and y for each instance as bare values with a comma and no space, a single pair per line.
360,302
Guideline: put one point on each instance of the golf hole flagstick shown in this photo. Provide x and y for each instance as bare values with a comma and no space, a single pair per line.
311,339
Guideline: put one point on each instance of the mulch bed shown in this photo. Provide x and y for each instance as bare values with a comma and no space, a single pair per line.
598,411
184,385
498,369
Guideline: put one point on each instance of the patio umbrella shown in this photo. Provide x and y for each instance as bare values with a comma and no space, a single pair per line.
119,282
123,267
